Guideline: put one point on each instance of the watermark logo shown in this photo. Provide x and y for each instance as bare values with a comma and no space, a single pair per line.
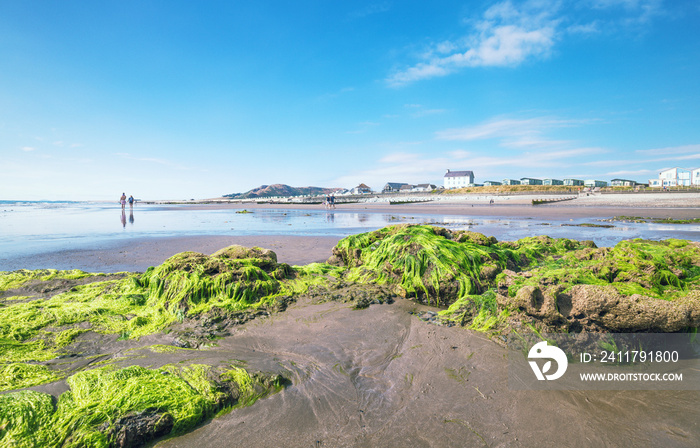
543,351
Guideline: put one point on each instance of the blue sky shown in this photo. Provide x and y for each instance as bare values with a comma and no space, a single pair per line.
181,99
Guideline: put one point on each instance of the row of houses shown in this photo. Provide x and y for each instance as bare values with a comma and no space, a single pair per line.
672,177
460,179
677,177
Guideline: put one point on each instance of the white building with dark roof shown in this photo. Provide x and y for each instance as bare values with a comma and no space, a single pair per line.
458,179
623,183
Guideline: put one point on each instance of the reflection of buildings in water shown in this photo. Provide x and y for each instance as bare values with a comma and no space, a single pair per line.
270,216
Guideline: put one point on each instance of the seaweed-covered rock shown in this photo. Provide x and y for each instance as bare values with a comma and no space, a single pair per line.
422,262
233,277
128,407
561,283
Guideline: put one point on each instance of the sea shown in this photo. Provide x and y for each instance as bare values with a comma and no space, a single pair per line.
33,227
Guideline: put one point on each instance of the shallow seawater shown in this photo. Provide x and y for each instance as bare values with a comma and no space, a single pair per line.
28,228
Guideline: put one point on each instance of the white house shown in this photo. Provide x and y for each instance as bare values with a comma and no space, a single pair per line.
573,182
424,187
695,177
530,181
361,189
673,177
590,183
553,182
622,183
458,179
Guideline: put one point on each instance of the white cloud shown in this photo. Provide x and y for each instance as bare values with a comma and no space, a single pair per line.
673,150
513,32
28,148
513,132
631,172
586,28
507,35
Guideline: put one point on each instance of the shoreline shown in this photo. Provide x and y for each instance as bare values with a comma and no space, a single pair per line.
652,205
142,252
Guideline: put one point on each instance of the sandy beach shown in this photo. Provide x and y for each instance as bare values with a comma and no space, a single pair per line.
382,377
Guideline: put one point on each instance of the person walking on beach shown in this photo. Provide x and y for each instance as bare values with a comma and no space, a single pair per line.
131,201
122,200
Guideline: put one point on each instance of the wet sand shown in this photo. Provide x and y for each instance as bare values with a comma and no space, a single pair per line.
380,377
142,253
680,206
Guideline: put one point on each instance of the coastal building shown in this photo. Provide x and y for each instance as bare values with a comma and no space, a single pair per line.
530,181
573,182
511,182
695,177
406,187
361,189
673,177
553,182
594,183
458,179
491,183
622,183
393,187
425,187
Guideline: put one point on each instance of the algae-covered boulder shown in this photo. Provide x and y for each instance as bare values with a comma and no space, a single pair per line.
560,283
128,407
233,277
422,262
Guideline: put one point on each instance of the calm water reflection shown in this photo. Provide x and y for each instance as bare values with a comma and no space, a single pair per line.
37,227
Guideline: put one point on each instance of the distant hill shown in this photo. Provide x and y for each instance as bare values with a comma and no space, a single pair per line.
266,191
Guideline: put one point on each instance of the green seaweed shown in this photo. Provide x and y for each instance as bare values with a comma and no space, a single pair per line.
101,400
422,263
16,375
22,415
655,220
15,279
480,281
